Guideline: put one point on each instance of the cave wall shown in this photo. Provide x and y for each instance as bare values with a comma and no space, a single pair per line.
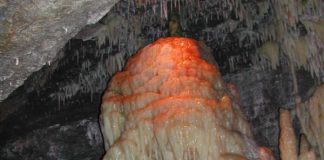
32,33
75,140
262,94
68,90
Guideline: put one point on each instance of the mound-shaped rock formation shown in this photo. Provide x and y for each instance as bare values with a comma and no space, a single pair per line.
170,104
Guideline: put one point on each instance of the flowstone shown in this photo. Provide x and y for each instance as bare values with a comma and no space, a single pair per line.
170,104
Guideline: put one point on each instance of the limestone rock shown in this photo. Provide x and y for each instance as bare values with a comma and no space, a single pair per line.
33,31
169,104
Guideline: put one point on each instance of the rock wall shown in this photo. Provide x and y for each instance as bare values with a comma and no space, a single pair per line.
33,31
262,94
76,140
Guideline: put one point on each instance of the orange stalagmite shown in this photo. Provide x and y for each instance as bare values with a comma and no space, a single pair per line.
287,141
170,104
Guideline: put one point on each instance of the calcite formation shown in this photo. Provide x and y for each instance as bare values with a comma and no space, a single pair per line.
311,117
287,138
170,104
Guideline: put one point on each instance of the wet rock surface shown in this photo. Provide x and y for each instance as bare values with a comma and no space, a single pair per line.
75,140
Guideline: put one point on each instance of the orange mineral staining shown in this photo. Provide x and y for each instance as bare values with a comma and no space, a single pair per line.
170,104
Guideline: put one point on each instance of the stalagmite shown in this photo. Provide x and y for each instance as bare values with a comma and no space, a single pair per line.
287,140
303,147
311,118
304,152
265,154
169,104
307,156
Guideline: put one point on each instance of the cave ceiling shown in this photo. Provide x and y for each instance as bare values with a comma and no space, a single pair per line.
34,32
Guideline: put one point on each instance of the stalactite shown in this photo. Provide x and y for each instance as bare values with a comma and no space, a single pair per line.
270,50
92,77
301,50
279,37
232,62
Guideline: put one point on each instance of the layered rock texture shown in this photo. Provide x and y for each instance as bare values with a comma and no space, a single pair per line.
169,103
33,31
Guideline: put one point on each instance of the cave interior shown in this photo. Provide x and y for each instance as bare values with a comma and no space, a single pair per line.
271,50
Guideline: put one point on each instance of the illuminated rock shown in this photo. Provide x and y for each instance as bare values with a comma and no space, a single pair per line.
287,138
169,104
